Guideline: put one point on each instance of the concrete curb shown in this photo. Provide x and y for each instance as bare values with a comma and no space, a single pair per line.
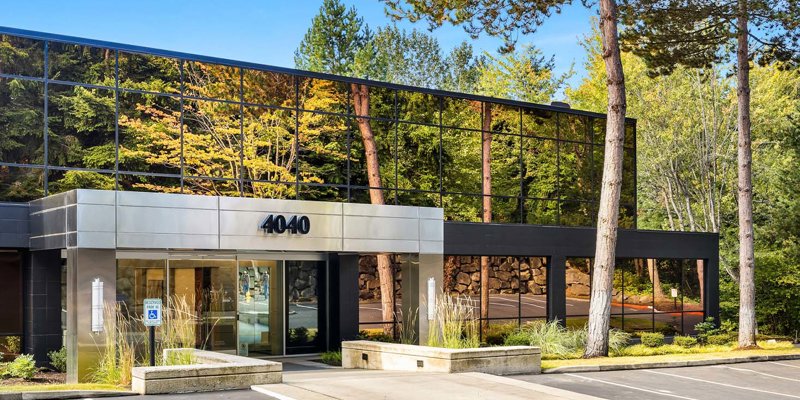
669,364
64,394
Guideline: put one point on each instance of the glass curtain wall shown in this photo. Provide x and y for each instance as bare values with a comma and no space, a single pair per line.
74,115
371,319
517,290
649,295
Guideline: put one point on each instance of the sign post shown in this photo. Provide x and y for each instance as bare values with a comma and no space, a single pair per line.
152,319
674,293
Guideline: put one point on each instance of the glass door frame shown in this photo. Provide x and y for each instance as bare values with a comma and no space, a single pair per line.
322,285
323,331
280,257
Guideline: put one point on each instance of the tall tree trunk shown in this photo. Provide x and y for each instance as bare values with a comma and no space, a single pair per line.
360,95
608,214
652,270
487,210
700,279
747,295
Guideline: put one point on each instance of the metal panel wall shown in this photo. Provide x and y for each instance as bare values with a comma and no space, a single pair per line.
14,229
240,218
109,219
83,266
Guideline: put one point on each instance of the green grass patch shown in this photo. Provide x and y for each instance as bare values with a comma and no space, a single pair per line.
639,354
76,386
332,358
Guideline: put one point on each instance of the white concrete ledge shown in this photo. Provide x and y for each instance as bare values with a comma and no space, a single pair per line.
213,371
507,360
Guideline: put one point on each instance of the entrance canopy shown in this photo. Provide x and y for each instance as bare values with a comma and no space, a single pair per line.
101,219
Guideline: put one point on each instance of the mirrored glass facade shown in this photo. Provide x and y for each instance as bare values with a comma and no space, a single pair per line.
74,115
649,295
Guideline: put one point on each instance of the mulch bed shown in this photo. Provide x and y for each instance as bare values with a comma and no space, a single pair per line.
41,378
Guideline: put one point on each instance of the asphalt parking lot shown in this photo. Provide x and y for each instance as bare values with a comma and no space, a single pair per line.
762,380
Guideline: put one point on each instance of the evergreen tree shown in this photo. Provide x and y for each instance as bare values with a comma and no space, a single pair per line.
336,35
335,43
505,18
699,33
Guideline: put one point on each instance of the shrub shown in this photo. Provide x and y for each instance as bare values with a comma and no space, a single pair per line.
640,350
684,341
719,339
497,333
58,359
298,336
705,329
12,344
22,367
554,340
617,340
728,327
117,354
332,358
455,325
652,339
558,342
374,336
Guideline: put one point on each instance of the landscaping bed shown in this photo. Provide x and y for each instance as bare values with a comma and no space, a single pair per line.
50,387
727,356
42,377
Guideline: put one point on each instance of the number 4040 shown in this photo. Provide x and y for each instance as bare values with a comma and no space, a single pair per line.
279,224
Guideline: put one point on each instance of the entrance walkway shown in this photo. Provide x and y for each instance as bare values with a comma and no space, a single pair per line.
327,384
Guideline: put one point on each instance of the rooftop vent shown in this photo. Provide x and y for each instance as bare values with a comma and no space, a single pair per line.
559,104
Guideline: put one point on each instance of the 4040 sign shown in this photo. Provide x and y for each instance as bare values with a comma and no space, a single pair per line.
280,224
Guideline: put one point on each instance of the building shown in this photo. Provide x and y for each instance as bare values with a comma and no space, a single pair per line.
245,191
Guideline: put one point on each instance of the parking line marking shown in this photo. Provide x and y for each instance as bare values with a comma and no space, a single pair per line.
760,373
270,393
722,384
631,387
785,365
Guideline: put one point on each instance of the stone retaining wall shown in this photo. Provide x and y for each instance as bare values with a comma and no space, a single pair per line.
369,285
507,275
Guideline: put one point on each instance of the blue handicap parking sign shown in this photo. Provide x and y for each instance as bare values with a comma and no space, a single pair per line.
152,312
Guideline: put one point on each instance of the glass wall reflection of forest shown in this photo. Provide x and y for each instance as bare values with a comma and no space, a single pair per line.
661,295
110,119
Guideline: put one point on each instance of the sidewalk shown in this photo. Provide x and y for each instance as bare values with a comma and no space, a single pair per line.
391,385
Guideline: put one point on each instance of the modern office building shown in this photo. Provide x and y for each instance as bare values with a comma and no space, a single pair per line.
267,200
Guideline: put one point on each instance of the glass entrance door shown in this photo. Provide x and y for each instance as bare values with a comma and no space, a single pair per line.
259,303
305,305
205,289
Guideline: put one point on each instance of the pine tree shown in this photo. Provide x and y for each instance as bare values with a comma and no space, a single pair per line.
699,33
505,18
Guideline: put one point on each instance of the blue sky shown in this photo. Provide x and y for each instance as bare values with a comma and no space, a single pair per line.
266,31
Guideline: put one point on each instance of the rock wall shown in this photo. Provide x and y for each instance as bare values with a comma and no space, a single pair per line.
578,281
302,282
369,285
507,275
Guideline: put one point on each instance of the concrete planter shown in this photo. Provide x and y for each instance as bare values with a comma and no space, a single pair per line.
213,371
507,360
